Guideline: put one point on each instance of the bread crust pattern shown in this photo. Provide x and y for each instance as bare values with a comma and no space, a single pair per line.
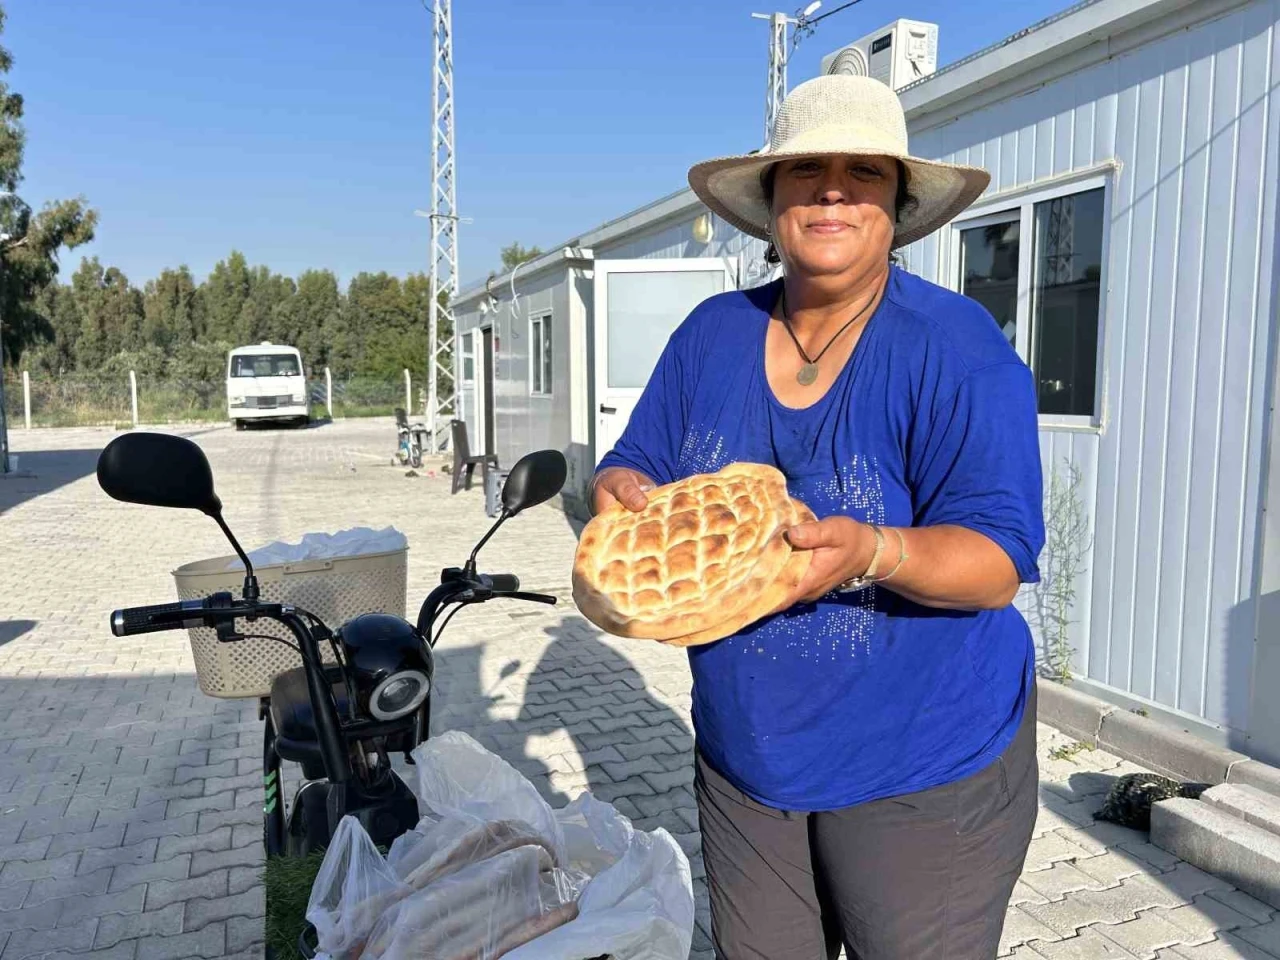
705,558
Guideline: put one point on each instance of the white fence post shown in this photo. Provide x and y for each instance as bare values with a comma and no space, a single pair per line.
26,398
408,393
328,392
133,395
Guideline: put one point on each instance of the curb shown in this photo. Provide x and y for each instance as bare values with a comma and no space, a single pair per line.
1245,855
1148,743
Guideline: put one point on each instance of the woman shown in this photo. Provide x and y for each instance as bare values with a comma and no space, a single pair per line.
865,760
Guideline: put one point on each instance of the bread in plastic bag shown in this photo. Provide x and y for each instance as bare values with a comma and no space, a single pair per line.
481,911
450,844
459,779
633,889
352,891
638,904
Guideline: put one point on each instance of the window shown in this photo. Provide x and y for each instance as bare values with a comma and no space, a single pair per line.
540,356
644,309
468,357
1038,269
265,365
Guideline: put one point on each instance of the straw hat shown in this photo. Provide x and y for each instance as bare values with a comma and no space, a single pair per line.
838,114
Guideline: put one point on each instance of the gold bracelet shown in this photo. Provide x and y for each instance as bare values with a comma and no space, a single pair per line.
854,584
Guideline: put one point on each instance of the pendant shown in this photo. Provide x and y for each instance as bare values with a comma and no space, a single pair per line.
808,373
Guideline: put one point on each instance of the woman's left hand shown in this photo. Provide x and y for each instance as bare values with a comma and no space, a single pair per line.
842,549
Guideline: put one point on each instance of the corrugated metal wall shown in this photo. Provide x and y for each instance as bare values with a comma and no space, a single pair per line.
524,422
1172,480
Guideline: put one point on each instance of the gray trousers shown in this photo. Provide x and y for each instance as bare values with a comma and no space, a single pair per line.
917,877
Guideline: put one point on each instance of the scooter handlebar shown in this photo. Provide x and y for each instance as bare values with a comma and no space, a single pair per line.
503,582
156,617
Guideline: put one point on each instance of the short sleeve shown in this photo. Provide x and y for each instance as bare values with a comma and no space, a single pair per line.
654,434
976,464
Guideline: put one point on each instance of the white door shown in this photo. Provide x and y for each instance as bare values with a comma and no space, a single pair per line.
638,304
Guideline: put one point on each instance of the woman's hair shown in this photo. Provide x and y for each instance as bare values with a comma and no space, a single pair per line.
905,200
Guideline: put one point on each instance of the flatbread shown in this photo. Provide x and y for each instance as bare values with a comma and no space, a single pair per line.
770,601
706,549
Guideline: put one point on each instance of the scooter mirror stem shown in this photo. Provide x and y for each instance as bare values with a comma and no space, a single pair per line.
250,581
470,569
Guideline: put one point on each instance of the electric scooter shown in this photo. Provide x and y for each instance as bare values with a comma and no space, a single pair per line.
340,722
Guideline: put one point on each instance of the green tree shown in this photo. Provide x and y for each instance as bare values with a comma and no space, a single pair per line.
515,255
173,310
111,313
317,315
57,307
225,291
200,361
417,291
29,252
377,323
264,315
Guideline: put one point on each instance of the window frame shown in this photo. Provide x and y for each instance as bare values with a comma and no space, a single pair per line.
537,362
1020,205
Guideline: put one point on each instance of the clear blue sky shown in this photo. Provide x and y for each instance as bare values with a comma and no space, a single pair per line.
299,132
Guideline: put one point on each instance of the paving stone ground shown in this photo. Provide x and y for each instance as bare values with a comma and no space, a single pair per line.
130,803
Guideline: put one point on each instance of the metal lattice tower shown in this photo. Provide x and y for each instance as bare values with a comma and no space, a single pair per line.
442,387
1060,242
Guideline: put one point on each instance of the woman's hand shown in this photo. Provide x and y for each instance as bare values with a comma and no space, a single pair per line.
950,567
620,485
842,549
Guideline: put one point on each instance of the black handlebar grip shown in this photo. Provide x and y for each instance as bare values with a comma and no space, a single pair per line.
132,621
504,582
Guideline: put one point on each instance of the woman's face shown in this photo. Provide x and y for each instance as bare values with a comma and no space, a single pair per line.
834,215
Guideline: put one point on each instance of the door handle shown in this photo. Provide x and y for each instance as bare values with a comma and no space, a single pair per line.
604,409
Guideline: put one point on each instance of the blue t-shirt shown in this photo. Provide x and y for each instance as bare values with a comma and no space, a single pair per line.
932,421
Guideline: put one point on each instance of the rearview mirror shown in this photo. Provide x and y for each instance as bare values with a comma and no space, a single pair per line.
160,470
536,478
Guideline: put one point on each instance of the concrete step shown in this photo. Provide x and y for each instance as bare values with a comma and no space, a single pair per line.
1214,840
1246,803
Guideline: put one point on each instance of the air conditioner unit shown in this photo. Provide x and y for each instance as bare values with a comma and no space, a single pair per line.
896,55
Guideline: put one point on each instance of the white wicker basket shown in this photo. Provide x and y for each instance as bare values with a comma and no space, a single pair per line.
335,590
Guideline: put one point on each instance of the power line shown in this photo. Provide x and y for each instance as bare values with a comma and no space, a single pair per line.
831,13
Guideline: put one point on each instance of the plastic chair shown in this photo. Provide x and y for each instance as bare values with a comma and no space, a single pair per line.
463,460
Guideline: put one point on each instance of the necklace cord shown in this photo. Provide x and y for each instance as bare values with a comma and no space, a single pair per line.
786,322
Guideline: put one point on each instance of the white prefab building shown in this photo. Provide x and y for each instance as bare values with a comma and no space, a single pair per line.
1127,245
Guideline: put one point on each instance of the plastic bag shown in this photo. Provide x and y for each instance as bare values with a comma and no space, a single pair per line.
320,546
458,779
638,904
479,912
450,844
492,868
352,891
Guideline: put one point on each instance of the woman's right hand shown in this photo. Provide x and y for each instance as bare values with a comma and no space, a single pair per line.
620,485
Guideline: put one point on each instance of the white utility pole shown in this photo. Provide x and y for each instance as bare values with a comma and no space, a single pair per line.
444,233
804,22
776,91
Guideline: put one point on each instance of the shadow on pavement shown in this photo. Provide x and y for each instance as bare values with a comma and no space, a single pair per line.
636,751
13,629
43,471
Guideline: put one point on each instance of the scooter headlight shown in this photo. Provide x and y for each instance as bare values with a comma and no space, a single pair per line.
399,694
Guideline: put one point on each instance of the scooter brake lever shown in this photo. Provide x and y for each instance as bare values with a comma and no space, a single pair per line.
532,597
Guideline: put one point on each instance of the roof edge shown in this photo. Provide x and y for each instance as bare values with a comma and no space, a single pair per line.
1053,39
663,208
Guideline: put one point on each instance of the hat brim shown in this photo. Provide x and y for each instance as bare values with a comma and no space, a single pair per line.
732,188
